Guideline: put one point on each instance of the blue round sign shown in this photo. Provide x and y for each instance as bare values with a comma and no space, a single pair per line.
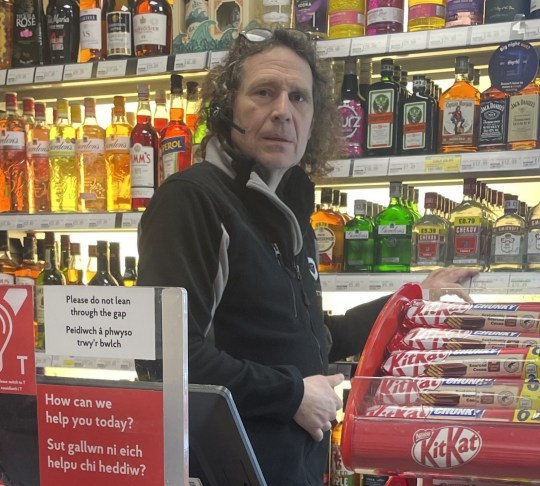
513,66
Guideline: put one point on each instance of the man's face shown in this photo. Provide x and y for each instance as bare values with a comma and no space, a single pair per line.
274,104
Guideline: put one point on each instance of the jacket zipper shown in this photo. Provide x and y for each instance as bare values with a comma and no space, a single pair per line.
282,265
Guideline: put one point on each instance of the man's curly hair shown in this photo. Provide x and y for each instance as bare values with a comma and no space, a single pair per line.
221,86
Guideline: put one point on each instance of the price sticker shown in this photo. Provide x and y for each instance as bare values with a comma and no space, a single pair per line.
497,283
384,283
328,282
349,283
442,163
406,165
190,62
372,44
443,38
7,222
49,74
334,48
74,221
151,65
131,220
217,58
101,220
527,282
26,221
20,76
112,69
77,72
371,167
409,41
490,34
3,75
530,159
531,29
474,162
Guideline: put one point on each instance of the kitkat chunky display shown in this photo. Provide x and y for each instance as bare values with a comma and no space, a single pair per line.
487,317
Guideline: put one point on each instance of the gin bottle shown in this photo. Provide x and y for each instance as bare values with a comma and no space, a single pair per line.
359,242
533,239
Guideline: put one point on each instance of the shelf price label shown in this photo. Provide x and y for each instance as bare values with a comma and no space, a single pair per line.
328,282
442,163
112,69
151,65
349,283
340,168
3,75
334,48
78,72
406,165
531,28
454,37
409,41
475,162
130,220
384,283
373,44
525,282
495,283
190,62
74,221
49,74
101,220
217,58
371,167
529,159
20,76
25,222
490,34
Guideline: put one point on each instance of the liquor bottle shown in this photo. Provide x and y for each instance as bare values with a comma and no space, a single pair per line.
91,156
37,153
152,28
470,229
176,136
276,14
352,114
29,113
508,240
311,16
364,78
506,10
384,17
193,105
383,99
418,121
426,15
393,234
75,268
65,255
62,15
343,207
114,251
29,34
40,244
459,12
339,474
328,227
28,271
161,114
523,120
117,27
91,265
459,108
117,146
6,33
91,46
103,275
430,238
75,112
493,128
359,241
130,272
346,18
7,265
533,239
145,164
65,173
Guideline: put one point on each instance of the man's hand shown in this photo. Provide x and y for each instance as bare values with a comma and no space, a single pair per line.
319,404
447,281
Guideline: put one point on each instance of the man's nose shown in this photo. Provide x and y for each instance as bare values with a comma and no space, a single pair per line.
281,109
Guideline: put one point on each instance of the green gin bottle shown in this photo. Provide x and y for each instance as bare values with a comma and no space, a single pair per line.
359,242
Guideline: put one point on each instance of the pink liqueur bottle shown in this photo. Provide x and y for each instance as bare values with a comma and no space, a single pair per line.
384,16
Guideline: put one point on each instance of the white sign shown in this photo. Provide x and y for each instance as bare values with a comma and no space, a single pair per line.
105,322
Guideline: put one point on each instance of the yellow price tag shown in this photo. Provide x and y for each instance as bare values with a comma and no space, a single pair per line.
442,163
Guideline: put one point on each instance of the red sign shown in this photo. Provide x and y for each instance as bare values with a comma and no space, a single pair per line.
17,359
106,436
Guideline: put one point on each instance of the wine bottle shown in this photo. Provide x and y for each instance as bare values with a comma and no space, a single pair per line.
29,46
103,275
130,272
118,28
62,15
114,251
152,28
75,268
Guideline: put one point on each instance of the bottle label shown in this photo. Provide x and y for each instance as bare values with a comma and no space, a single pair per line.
170,148
505,10
426,10
508,244
37,148
493,121
25,281
311,15
467,240
392,229
523,117
119,33
6,279
142,167
12,140
346,17
458,122
150,29
356,235
59,147
326,239
414,125
340,475
464,12
90,28
352,128
117,145
27,35
91,146
384,14
430,249
533,246
380,118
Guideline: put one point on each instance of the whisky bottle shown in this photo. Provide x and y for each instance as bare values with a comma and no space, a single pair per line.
114,253
91,265
430,238
152,28
117,154
75,268
65,173
383,104
328,227
493,120
29,34
523,119
130,272
459,112
91,155
508,246
91,46
359,241
37,153
62,16
103,275
470,228
117,28
7,265
28,271
393,234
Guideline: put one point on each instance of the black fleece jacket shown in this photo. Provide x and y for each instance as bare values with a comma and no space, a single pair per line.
247,257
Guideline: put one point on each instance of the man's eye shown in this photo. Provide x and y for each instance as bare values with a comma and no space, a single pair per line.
263,92
297,97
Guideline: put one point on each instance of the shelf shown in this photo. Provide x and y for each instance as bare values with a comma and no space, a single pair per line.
503,164
70,221
484,283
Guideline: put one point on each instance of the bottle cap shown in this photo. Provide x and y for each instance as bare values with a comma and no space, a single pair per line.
76,112
64,242
143,91
430,200
40,111
11,101
92,251
89,107
75,248
28,106
360,206
462,64
49,239
161,97
176,83
192,87
387,65
62,107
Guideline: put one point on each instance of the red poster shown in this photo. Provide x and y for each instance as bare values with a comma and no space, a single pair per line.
105,436
17,359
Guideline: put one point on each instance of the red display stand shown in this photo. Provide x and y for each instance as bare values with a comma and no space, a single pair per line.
412,442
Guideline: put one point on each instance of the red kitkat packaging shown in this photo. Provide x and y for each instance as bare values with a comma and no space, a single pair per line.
487,317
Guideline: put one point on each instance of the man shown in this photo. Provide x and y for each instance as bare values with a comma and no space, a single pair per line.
235,231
